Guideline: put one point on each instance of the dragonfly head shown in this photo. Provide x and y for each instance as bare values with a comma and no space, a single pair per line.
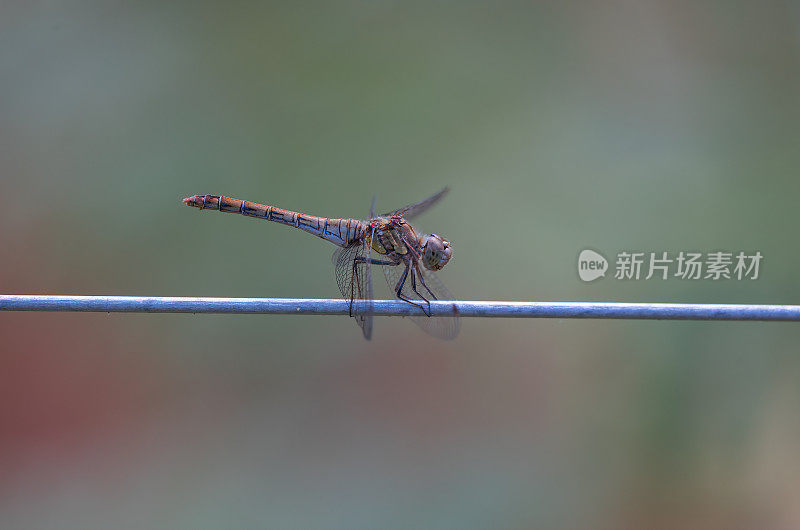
436,251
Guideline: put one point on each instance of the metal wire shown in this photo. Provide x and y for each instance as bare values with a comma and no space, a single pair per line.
305,306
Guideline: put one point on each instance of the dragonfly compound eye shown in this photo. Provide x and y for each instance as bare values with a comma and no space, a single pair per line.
437,252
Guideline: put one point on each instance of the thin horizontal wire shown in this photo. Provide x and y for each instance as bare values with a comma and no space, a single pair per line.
305,306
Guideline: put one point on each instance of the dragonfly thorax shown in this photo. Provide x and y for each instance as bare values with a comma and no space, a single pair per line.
393,237
436,251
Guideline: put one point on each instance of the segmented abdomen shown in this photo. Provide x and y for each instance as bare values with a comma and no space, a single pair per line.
341,232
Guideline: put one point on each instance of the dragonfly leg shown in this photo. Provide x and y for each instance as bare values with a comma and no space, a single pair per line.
414,275
376,261
355,282
398,289
422,281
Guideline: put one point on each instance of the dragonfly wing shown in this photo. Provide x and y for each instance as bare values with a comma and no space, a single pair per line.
353,277
343,265
443,327
413,210
365,316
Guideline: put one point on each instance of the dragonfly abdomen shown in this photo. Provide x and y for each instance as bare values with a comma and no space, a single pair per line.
340,232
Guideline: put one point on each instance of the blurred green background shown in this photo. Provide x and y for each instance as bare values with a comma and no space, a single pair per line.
629,125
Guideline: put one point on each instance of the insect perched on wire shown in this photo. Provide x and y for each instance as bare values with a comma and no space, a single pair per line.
408,258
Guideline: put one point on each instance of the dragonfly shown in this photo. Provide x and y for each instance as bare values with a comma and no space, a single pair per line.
409,259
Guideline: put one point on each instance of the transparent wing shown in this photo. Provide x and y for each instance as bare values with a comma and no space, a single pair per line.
413,210
353,267
366,316
353,276
443,327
